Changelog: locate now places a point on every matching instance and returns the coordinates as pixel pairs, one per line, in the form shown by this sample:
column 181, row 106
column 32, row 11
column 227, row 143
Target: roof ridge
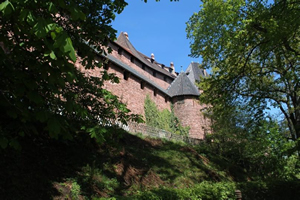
column 182, row 85
column 138, row 55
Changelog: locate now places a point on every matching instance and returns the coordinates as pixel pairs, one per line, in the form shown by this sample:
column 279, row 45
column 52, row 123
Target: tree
column 253, row 50
column 41, row 90
column 259, row 147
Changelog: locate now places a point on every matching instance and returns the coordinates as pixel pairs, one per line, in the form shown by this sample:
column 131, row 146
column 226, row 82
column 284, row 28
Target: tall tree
column 41, row 90
column 253, row 49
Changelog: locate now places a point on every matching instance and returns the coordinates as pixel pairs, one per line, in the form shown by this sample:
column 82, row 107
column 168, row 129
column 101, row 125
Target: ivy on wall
column 164, row 119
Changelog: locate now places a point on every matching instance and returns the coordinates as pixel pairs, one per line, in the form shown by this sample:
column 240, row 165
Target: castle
column 141, row 75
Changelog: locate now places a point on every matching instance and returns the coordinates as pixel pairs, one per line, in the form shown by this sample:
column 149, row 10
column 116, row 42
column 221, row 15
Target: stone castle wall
column 132, row 90
column 188, row 110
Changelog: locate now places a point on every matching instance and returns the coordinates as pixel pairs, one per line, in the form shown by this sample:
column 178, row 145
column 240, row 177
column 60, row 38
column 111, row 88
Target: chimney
column 152, row 58
column 172, row 68
column 126, row 35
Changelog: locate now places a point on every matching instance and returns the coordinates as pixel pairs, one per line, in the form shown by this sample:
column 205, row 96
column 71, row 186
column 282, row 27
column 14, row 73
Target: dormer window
column 152, row 58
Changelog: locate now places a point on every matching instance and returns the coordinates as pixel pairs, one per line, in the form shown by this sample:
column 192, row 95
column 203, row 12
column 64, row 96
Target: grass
column 124, row 167
column 55, row 169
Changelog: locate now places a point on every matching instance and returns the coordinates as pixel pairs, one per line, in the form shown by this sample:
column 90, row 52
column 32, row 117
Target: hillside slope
column 126, row 166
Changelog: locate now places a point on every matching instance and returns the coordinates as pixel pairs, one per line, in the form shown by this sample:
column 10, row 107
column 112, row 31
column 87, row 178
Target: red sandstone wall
column 130, row 92
column 188, row 112
column 137, row 65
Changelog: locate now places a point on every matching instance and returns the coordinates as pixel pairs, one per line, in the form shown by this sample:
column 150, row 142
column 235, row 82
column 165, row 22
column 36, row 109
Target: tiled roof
column 137, row 74
column 126, row 44
column 195, row 72
column 182, row 85
column 130, row 69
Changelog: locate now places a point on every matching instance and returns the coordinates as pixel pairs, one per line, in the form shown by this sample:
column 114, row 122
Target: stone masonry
column 142, row 75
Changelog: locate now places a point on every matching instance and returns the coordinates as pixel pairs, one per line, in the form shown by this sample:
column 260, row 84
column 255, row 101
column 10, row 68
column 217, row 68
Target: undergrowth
column 127, row 167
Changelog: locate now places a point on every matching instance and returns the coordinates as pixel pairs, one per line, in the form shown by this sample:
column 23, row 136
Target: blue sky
column 159, row 28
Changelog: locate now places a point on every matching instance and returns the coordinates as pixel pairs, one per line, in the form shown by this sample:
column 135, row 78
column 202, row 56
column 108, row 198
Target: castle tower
column 185, row 98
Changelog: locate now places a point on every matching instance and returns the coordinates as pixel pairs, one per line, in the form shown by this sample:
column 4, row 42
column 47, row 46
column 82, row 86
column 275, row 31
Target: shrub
column 203, row 191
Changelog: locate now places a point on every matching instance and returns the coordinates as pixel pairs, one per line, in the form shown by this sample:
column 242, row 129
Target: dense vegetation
column 41, row 90
column 164, row 119
column 132, row 167
column 252, row 48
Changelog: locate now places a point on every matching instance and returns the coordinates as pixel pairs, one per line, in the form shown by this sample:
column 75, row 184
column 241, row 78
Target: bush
column 203, row 191
column 164, row 119
column 271, row 190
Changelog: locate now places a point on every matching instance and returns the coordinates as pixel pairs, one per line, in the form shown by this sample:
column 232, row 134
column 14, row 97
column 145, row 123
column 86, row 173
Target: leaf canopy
column 253, row 50
column 41, row 89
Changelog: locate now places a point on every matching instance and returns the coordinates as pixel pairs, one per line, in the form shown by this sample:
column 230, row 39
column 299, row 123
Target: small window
column 132, row 59
column 143, row 67
column 165, row 79
column 154, row 73
column 142, row 85
column 155, row 92
column 180, row 99
column 120, row 51
column 166, row 99
column 105, row 66
column 126, row 75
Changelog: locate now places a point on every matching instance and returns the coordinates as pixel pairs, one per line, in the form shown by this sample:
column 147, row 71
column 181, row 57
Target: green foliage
column 164, row 119
column 41, row 90
column 259, row 147
column 205, row 191
column 75, row 190
column 252, row 48
column 94, row 176
column 270, row 190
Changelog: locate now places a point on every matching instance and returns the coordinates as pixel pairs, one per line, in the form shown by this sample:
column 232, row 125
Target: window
column 132, row 59
column 143, row 67
column 120, row 51
column 166, row 98
column 155, row 92
column 154, row 73
column 142, row 85
column 126, row 75
column 180, row 99
column 105, row 66
column 165, row 79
